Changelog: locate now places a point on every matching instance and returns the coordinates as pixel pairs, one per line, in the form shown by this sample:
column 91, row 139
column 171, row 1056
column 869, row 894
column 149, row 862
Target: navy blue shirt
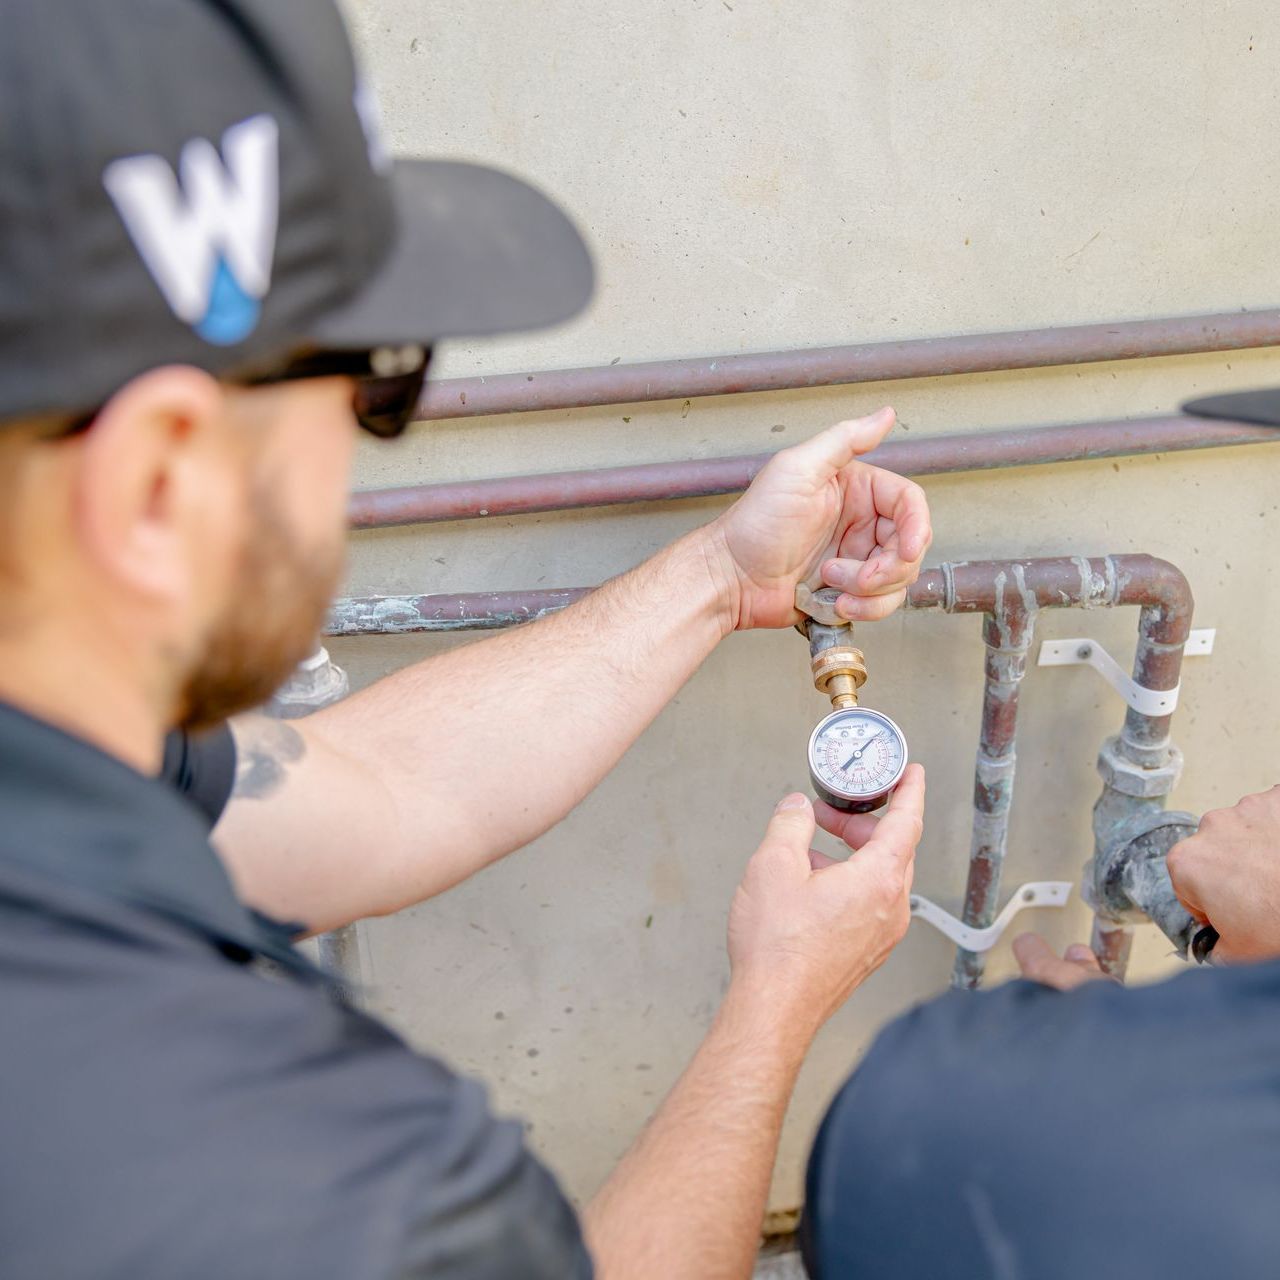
column 1030, row 1134
column 183, row 1095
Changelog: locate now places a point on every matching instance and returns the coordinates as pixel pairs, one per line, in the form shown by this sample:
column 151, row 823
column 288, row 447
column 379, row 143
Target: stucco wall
column 753, row 175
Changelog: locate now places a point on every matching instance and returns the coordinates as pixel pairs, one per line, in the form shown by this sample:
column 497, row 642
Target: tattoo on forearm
column 265, row 750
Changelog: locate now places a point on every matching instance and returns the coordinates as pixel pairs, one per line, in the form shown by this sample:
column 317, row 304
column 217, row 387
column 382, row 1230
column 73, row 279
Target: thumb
column 831, row 450
column 790, row 830
column 899, row 829
column 1037, row 960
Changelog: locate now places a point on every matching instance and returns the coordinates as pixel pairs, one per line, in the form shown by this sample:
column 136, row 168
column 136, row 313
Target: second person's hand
column 1228, row 875
column 1041, row 963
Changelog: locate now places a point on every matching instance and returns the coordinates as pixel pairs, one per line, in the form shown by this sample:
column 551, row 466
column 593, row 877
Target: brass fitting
column 840, row 672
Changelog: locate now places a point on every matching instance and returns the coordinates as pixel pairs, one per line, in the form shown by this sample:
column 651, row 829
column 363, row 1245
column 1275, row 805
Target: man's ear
column 148, row 465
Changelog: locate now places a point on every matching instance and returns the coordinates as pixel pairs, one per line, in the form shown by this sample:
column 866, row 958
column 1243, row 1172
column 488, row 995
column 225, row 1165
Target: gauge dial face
column 856, row 757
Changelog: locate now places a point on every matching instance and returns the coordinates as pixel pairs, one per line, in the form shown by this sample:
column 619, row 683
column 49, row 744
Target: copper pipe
column 976, row 586
column 1158, row 586
column 1010, row 593
column 1064, row 582
column 470, row 611
column 700, row 478
column 1008, row 635
column 1112, row 944
column 837, row 366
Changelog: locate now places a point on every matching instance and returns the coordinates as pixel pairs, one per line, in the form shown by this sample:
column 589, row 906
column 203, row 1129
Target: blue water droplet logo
column 232, row 314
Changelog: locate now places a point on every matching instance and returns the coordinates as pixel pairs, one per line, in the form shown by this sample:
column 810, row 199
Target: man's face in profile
column 298, row 439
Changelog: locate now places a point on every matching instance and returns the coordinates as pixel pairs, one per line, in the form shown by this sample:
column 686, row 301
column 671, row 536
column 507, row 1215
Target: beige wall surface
column 755, row 175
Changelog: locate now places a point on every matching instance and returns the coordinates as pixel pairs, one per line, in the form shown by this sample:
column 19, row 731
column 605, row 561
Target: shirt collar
column 75, row 814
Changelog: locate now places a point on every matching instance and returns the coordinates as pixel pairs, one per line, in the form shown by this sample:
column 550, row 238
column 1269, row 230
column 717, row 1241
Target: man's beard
column 272, row 623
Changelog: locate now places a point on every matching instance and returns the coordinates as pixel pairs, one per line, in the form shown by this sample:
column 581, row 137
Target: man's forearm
column 420, row 780
column 428, row 775
column 688, row 1199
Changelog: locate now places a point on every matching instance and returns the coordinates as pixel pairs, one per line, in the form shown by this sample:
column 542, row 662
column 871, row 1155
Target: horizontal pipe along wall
column 1011, row 594
column 844, row 365
column 791, row 370
column 709, row 477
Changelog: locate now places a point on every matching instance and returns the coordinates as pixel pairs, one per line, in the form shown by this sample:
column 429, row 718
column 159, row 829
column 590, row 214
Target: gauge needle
column 857, row 755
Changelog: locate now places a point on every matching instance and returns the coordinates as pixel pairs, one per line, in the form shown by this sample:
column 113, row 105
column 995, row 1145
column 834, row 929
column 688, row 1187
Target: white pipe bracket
column 1147, row 702
column 1039, row 893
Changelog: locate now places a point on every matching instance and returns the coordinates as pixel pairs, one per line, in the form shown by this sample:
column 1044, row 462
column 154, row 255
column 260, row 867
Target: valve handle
column 1203, row 943
column 820, row 605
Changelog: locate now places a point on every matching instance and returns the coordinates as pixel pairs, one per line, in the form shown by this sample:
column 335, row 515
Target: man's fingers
column 869, row 608
column 882, row 571
column 879, row 502
column 883, row 554
column 855, row 829
column 882, row 574
column 910, row 513
column 819, row 861
column 831, row 450
column 1180, row 864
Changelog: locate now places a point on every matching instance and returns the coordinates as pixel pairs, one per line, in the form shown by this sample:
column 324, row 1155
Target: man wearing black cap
column 208, row 267
column 1065, row 1126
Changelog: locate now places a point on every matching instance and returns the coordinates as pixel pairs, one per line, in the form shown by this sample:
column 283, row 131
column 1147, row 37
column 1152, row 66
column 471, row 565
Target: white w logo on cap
column 209, row 242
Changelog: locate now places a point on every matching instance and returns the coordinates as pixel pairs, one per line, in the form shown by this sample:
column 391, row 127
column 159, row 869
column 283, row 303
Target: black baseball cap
column 1260, row 407
column 203, row 182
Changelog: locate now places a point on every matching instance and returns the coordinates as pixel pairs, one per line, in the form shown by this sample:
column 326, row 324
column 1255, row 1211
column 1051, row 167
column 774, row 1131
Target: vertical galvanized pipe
column 1008, row 634
column 1111, row 942
column 1157, row 664
column 1144, row 765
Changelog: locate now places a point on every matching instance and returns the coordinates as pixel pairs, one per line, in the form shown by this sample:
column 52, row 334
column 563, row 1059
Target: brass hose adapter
column 839, row 669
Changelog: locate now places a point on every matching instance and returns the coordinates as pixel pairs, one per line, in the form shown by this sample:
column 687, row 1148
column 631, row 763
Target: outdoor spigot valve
column 1128, row 880
column 839, row 669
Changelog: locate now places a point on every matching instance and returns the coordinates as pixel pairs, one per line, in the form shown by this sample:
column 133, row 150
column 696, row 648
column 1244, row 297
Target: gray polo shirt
column 183, row 1095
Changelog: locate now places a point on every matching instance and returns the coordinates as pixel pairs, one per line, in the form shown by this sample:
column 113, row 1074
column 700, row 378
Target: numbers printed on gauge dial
column 856, row 757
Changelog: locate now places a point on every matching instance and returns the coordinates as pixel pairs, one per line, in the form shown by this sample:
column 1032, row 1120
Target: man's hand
column 687, row 1200
column 1228, row 875
column 816, row 511
column 1041, row 963
column 805, row 930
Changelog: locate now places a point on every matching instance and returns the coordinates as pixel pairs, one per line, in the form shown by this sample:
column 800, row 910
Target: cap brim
column 1261, row 407
column 477, row 252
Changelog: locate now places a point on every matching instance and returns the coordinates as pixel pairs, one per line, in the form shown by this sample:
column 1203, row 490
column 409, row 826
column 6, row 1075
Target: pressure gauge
column 856, row 758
